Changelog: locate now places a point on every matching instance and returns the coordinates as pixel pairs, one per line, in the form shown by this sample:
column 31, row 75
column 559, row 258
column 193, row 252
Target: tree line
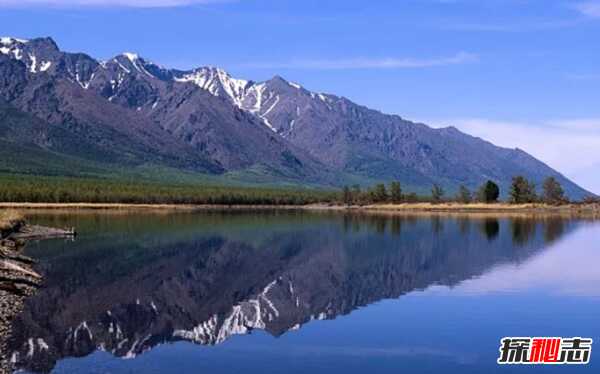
column 94, row 190
column 91, row 190
column 521, row 191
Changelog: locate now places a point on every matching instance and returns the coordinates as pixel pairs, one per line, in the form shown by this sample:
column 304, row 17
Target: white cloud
column 589, row 8
column 369, row 63
column 104, row 3
column 569, row 146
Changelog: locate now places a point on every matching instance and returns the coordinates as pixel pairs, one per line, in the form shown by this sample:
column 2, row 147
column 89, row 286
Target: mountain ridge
column 235, row 125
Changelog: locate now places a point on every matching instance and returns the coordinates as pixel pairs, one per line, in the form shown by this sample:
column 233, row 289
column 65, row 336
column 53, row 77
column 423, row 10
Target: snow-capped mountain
column 131, row 112
column 259, row 98
column 206, row 120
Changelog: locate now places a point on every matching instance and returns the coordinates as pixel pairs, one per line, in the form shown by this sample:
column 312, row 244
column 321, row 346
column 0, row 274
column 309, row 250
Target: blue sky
column 521, row 73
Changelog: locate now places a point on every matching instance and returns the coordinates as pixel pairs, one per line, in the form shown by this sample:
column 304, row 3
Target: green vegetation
column 553, row 192
column 22, row 188
column 380, row 193
column 133, row 190
column 396, row 192
column 437, row 193
column 464, row 195
column 377, row 194
column 522, row 191
column 489, row 192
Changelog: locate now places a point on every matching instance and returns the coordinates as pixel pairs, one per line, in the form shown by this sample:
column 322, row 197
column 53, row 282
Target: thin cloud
column 368, row 63
column 589, row 8
column 105, row 3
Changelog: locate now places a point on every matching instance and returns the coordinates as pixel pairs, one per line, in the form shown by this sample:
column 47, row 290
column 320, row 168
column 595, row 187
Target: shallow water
column 299, row 292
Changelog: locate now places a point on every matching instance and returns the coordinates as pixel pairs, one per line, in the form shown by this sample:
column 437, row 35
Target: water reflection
column 490, row 227
column 132, row 282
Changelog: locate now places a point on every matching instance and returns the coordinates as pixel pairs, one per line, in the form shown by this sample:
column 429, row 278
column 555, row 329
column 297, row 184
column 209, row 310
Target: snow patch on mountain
column 218, row 82
column 133, row 57
column 12, row 46
column 33, row 65
column 6, row 40
column 138, row 63
column 45, row 65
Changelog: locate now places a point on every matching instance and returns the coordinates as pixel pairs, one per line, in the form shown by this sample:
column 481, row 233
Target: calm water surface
column 291, row 292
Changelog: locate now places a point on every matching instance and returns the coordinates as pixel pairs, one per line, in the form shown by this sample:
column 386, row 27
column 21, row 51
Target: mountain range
column 70, row 114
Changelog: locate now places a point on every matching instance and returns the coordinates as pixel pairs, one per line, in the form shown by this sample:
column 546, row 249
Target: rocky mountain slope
column 130, row 111
column 372, row 144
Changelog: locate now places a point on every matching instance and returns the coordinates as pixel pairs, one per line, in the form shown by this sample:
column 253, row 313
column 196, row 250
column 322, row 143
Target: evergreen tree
column 491, row 192
column 437, row 193
column 464, row 195
column 553, row 191
column 357, row 194
column 380, row 193
column 522, row 191
column 347, row 195
column 396, row 192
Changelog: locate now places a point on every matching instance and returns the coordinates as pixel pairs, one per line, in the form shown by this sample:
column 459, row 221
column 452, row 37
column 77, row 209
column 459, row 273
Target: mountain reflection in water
column 131, row 282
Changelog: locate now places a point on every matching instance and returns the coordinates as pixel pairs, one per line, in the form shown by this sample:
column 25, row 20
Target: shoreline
column 18, row 278
column 535, row 208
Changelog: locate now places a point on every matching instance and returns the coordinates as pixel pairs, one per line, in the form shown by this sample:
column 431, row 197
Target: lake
column 304, row 292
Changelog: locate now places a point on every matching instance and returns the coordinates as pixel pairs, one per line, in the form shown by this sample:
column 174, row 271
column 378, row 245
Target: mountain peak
column 37, row 54
column 8, row 40
column 132, row 62
column 131, row 56
column 278, row 78
column 43, row 43
column 217, row 81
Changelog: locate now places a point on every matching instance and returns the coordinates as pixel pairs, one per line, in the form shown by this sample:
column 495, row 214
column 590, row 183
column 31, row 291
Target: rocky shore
column 18, row 279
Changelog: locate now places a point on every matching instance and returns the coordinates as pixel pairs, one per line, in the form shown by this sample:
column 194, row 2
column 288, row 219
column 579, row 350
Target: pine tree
column 437, row 193
column 357, row 194
column 553, row 191
column 347, row 195
column 380, row 194
column 491, row 192
column 464, row 195
column 396, row 192
column 522, row 191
